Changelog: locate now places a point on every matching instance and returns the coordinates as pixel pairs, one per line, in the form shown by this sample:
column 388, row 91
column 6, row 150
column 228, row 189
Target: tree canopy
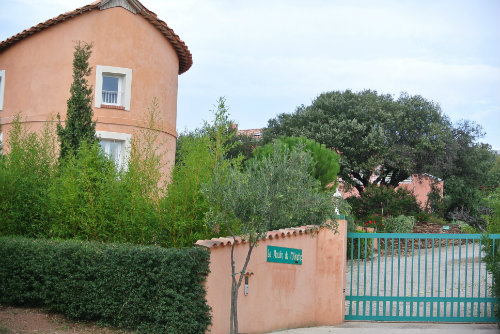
column 375, row 134
column 325, row 165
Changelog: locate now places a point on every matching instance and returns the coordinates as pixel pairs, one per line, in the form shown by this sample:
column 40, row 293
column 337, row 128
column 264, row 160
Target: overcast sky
column 268, row 57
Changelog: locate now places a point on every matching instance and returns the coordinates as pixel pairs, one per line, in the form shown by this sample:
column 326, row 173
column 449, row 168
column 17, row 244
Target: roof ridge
column 183, row 53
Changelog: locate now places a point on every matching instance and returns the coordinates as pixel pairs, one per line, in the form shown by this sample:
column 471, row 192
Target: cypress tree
column 79, row 125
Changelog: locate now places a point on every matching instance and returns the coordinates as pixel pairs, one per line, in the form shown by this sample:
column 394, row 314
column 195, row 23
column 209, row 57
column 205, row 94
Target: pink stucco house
column 135, row 57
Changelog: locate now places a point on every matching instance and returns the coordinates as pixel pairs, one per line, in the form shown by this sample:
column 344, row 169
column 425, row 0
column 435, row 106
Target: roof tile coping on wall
column 185, row 57
column 281, row 233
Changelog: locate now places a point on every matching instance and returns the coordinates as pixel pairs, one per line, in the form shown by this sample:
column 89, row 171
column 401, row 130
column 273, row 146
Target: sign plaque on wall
column 284, row 255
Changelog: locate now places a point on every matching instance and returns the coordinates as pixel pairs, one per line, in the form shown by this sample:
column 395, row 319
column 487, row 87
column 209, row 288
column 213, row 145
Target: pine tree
column 79, row 125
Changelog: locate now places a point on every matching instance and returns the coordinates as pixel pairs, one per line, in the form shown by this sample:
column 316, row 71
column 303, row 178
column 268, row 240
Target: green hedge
column 142, row 288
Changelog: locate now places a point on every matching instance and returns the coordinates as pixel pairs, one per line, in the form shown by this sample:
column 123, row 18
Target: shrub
column 325, row 161
column 467, row 229
column 400, row 224
column 144, row 288
column 384, row 201
column 27, row 170
column 357, row 245
column 377, row 222
column 436, row 220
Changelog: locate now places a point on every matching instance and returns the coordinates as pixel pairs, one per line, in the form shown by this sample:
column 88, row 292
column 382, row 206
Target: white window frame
column 2, row 87
column 124, row 85
column 126, row 138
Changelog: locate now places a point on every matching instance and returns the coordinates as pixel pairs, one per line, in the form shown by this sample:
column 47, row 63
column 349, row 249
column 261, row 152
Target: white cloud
column 270, row 56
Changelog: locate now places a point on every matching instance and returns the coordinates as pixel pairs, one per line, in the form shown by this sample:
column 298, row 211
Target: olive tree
column 273, row 192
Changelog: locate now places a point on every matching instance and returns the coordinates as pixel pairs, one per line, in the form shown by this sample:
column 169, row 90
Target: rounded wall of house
column 38, row 72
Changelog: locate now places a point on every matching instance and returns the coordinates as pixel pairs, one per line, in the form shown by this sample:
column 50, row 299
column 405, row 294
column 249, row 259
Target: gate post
column 330, row 280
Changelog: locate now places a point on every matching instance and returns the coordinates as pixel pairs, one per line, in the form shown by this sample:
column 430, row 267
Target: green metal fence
column 418, row 277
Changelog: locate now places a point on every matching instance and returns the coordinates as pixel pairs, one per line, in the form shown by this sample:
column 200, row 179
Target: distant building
column 419, row 184
column 254, row 133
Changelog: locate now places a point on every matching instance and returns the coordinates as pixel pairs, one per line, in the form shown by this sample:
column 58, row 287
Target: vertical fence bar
column 472, row 284
column 357, row 283
column 411, row 283
column 479, row 304
column 352, row 269
column 425, row 278
column 439, row 279
column 385, row 278
column 371, row 276
column 378, row 277
column 492, row 305
column 459, row 306
column 418, row 279
column 392, row 272
column 446, row 274
column 399, row 272
column 466, row 270
column 432, row 279
column 452, row 274
column 486, row 285
column 364, row 278
column 404, row 285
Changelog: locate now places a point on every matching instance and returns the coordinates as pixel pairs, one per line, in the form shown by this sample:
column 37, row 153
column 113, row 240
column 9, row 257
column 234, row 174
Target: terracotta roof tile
column 185, row 57
column 281, row 233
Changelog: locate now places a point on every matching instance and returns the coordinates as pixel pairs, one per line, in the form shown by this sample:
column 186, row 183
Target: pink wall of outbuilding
column 281, row 295
column 420, row 186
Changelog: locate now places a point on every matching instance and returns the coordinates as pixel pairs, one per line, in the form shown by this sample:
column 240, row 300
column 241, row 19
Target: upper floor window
column 113, row 87
column 2, row 87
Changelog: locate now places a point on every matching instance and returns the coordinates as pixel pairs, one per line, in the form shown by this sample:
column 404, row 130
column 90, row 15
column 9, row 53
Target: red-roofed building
column 135, row 57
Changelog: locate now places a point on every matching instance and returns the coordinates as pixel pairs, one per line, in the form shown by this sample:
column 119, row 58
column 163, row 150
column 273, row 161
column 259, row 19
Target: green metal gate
column 418, row 277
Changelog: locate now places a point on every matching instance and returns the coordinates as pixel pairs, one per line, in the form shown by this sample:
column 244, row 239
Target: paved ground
column 453, row 271
column 361, row 327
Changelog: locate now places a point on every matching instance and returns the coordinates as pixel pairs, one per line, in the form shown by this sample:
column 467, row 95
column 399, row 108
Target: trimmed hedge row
column 142, row 288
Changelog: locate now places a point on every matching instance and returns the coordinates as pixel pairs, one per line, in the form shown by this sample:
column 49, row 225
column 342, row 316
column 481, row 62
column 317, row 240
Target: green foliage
column 79, row 125
column 473, row 172
column 435, row 203
column 492, row 259
column 467, row 229
column 200, row 154
column 376, row 134
column 85, row 196
column 491, row 249
column 437, row 220
column 82, row 199
column 274, row 192
column 27, row 171
column 399, row 224
column 145, row 289
column 243, row 147
column 384, row 201
column 493, row 201
column 359, row 248
column 377, row 220
column 325, row 161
